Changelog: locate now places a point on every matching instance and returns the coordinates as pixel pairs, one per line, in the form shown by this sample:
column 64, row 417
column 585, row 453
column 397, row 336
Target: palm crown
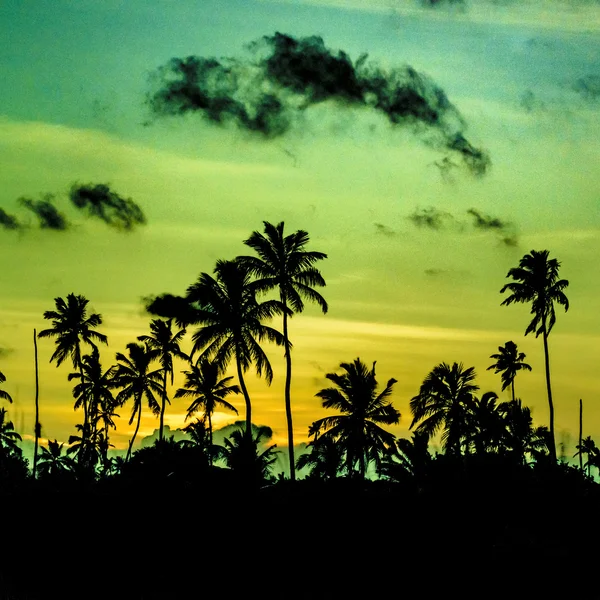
column 4, row 395
column 509, row 361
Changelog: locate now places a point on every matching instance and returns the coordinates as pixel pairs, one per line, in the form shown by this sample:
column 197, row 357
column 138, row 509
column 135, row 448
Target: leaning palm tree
column 443, row 403
column 536, row 281
column 284, row 264
column 3, row 394
column 167, row 343
column 231, row 323
column 132, row 373
column 357, row 429
column 72, row 327
column 207, row 391
column 509, row 361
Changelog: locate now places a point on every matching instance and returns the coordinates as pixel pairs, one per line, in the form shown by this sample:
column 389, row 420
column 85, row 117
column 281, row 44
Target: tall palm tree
column 204, row 386
column 536, row 281
column 443, row 402
column 284, row 264
column 231, row 323
column 132, row 373
column 3, row 394
column 509, row 361
column 8, row 436
column 72, row 327
column 167, row 343
column 362, row 408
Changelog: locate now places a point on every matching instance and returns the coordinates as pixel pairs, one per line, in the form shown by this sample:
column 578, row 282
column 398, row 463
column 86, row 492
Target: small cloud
column 8, row 221
column 431, row 218
column 49, row 217
column 434, row 272
column 531, row 103
column 382, row 229
column 485, row 222
column 588, row 87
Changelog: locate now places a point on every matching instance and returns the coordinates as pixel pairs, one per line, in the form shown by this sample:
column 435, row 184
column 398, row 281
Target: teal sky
column 524, row 76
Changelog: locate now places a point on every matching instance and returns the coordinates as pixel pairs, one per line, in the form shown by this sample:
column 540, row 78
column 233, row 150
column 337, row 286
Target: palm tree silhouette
column 284, row 264
column 71, row 326
column 443, row 402
column 88, row 449
column 325, row 459
column 509, row 361
column 588, row 447
column 167, row 343
column 132, row 373
column 3, row 394
column 485, row 425
column 8, row 436
column 207, row 391
column 231, row 323
column 52, row 462
column 536, row 281
column 407, row 457
column 362, row 408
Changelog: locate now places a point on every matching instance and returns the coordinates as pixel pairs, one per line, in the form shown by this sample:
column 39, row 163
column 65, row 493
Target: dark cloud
column 442, row 3
column 288, row 75
column 169, row 306
column 8, row 221
column 4, row 352
column 100, row 202
column 435, row 272
column 531, row 103
column 382, row 229
column 48, row 215
column 506, row 229
column 588, row 87
column 431, row 218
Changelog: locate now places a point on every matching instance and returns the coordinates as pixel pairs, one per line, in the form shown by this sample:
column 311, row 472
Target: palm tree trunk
column 288, row 400
column 580, row 434
column 210, row 441
column 550, row 403
column 162, row 408
column 134, row 433
column 37, row 427
column 512, row 387
column 246, row 398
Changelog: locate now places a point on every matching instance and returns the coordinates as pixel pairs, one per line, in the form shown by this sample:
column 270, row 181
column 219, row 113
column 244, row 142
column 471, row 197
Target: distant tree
column 3, row 394
column 53, row 463
column 231, row 323
column 357, row 429
column 72, row 327
column 588, row 448
column 536, row 281
column 284, row 264
column 407, row 458
column 207, row 390
column 133, row 375
column 325, row 459
column 8, row 436
column 88, row 450
column 443, row 403
column 509, row 361
column 167, row 343
column 485, row 425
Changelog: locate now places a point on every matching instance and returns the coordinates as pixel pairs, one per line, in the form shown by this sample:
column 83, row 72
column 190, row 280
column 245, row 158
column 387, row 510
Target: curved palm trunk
column 37, row 406
column 288, row 400
column 162, row 408
column 248, row 432
column 512, row 388
column 134, row 433
column 550, row 403
column 210, row 441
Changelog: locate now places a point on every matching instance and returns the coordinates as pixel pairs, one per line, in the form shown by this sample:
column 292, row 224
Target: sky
column 421, row 215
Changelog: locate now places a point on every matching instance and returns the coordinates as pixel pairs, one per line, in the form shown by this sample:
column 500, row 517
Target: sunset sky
column 407, row 292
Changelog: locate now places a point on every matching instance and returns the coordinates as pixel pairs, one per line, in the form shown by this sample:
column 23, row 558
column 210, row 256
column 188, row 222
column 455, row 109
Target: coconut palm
column 407, row 458
column 133, row 375
column 588, row 447
column 231, row 323
column 509, row 361
column 8, row 436
column 325, row 459
column 285, row 265
column 52, row 462
column 363, row 409
column 536, row 281
column 207, row 390
column 485, row 425
column 167, row 343
column 72, row 327
column 443, row 402
column 3, row 394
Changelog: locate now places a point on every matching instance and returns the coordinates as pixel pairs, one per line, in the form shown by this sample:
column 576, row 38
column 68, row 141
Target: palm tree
column 231, row 323
column 443, row 402
column 325, row 459
column 589, row 448
column 509, row 362
column 8, row 436
column 284, row 264
column 53, row 462
column 71, row 326
column 362, row 408
column 3, row 394
column 536, row 281
column 243, row 455
column 207, row 391
column 167, row 344
column 485, row 425
column 407, row 457
column 132, row 373
column 88, row 449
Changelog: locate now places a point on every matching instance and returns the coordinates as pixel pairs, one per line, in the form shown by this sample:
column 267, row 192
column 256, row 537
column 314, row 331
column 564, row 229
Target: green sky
column 525, row 79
